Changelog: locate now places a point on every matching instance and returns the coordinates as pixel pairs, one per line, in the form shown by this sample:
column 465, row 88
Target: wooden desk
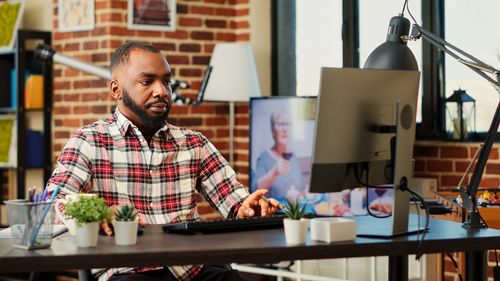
column 156, row 248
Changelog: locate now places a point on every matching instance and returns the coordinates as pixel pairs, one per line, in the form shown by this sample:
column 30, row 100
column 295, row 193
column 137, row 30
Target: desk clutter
column 31, row 223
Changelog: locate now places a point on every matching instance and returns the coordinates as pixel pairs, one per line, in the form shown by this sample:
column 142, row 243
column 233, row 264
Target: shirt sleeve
column 218, row 183
column 73, row 171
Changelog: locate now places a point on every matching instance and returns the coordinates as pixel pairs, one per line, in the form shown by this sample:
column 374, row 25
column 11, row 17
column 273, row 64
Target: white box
column 333, row 229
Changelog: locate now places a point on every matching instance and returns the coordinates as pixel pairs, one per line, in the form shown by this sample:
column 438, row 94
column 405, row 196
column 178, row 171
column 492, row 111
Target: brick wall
column 448, row 161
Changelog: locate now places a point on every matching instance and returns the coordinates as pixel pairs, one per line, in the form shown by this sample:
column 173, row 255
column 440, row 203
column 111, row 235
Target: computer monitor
column 364, row 136
column 293, row 126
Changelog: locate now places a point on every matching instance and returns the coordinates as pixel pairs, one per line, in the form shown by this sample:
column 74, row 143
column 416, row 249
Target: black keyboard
column 227, row 225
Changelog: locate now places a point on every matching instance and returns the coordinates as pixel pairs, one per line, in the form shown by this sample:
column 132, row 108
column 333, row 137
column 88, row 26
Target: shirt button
column 151, row 204
column 151, row 172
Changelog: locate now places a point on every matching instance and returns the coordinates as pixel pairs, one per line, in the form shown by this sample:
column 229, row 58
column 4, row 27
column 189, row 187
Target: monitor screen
column 282, row 130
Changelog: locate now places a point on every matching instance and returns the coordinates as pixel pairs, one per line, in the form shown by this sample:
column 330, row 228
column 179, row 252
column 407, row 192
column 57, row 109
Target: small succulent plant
column 294, row 210
column 125, row 213
column 87, row 209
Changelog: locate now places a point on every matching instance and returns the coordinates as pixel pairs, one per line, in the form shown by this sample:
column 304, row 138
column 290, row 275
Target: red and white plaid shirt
column 112, row 158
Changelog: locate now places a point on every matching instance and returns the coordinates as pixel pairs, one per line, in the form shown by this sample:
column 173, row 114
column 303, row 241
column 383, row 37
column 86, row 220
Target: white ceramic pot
column 125, row 232
column 295, row 231
column 86, row 234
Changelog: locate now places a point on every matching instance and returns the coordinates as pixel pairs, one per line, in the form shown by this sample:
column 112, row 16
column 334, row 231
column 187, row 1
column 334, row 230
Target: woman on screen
column 278, row 168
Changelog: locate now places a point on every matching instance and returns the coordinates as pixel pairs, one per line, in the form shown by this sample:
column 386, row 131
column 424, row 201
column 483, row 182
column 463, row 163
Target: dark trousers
column 209, row 273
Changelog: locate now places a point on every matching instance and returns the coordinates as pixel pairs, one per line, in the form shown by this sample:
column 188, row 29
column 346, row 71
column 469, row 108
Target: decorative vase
column 86, row 234
column 295, row 231
column 125, row 232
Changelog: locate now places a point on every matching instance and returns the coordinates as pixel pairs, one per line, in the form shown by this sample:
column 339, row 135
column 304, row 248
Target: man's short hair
column 122, row 54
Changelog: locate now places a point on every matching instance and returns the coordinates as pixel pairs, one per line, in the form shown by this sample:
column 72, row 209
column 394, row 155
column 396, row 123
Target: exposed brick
column 190, row 48
column 61, row 110
column 225, row 12
column 461, row 166
column 61, row 135
column 70, row 123
column 222, row 109
column 454, row 152
column 100, row 109
column 439, row 166
column 490, row 182
column 241, row 133
column 425, row 151
column 176, row 60
column 90, row 45
column 243, row 37
column 188, row 72
column 177, row 109
column 69, row 72
column 211, row 121
column 182, row 9
column 81, row 84
column 215, row 23
column 222, row 133
column 493, row 168
column 202, row 10
column 84, row 109
column 71, row 97
column 61, row 85
column 191, row 22
column 242, row 12
column 202, row 35
column 99, row 57
column 225, row 37
column 164, row 46
column 203, row 108
column 419, row 165
column 221, row 145
column 215, row 1
column 238, row 25
column 112, row 17
column 450, row 180
column 187, row 122
column 71, row 47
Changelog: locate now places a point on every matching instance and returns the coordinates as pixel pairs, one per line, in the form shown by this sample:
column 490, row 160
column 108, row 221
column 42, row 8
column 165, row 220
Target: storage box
column 333, row 229
column 31, row 223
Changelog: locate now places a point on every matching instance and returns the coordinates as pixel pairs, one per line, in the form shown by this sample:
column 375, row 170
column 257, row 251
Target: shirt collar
column 124, row 124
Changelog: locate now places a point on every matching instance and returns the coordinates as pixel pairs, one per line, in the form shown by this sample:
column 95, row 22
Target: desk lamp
column 233, row 78
column 394, row 54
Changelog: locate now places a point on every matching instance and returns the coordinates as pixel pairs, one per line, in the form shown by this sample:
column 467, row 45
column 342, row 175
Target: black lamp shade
column 394, row 53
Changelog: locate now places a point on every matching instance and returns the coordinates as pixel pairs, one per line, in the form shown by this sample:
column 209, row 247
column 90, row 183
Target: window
column 318, row 41
column 477, row 34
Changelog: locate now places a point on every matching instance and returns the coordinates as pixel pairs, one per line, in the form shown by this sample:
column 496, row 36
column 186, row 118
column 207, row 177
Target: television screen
column 281, row 146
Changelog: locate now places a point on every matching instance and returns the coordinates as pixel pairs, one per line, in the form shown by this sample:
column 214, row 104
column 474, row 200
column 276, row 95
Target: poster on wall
column 8, row 144
column 11, row 13
column 158, row 15
column 76, row 15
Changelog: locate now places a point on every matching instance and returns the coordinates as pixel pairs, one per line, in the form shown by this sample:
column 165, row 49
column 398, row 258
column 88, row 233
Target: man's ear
column 115, row 90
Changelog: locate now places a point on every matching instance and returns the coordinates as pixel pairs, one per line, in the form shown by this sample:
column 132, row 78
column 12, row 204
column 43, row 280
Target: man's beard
column 152, row 121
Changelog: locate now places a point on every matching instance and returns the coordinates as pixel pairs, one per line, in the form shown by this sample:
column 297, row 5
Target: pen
column 44, row 194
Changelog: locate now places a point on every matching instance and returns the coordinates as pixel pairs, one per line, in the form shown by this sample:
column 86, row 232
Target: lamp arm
column 469, row 195
column 471, row 62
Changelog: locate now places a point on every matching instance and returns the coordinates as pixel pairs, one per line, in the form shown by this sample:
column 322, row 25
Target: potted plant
column 88, row 212
column 125, row 225
column 295, row 225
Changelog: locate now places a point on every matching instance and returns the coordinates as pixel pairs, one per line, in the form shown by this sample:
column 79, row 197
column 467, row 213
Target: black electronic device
column 226, row 225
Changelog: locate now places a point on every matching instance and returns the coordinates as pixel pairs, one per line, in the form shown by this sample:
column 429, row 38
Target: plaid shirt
column 112, row 158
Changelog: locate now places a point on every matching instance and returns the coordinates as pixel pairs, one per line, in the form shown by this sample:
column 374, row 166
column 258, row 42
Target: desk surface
column 156, row 248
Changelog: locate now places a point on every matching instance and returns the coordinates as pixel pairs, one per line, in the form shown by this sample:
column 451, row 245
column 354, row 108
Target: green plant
column 294, row 210
column 125, row 213
column 87, row 209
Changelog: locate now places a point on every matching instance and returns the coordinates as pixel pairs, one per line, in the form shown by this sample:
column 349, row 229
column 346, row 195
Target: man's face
column 142, row 88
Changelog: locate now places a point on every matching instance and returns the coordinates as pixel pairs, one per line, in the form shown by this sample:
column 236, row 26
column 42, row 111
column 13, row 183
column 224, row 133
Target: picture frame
column 76, row 15
column 8, row 141
column 152, row 15
column 11, row 13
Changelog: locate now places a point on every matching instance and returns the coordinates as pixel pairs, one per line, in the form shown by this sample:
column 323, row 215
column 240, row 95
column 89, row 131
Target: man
column 135, row 156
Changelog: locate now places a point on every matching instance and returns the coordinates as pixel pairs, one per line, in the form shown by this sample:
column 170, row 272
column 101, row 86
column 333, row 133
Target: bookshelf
column 32, row 125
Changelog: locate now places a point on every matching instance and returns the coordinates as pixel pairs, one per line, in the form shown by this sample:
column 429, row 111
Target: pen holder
column 31, row 223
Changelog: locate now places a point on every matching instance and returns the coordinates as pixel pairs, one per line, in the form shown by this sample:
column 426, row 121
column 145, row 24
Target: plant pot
column 295, row 231
column 125, row 232
column 86, row 234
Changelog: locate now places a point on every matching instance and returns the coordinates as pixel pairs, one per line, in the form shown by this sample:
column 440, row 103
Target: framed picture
column 11, row 13
column 8, row 142
column 76, row 15
column 159, row 15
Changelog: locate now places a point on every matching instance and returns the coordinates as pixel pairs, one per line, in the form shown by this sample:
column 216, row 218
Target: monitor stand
column 371, row 227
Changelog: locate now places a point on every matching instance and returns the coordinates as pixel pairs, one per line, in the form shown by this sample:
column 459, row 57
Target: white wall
column 38, row 15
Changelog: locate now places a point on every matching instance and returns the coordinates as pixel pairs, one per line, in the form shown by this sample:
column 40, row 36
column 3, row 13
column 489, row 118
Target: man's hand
column 106, row 225
column 257, row 204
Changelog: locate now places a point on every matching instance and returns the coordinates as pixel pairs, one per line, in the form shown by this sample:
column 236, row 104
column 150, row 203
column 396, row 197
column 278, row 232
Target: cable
column 405, row 4
column 427, row 216
column 456, row 266
column 408, row 9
